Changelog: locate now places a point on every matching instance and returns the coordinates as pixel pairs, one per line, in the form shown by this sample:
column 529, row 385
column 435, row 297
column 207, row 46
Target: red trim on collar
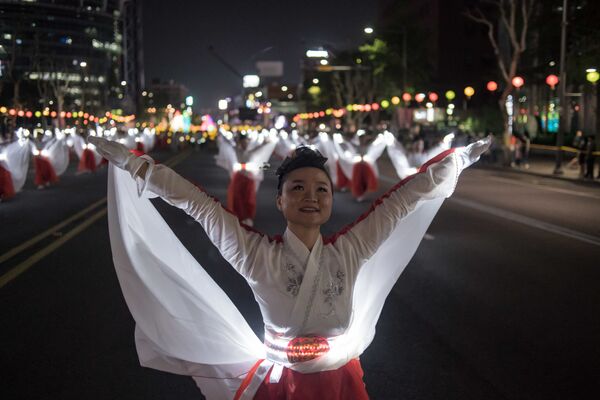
column 379, row 201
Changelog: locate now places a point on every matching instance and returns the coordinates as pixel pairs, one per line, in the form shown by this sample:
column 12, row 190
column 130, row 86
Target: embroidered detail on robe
column 334, row 289
column 294, row 280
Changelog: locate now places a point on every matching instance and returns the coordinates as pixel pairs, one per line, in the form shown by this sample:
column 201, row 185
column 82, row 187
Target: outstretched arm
column 237, row 244
column 437, row 179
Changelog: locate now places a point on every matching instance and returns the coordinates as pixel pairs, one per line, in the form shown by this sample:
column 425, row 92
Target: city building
column 71, row 55
column 160, row 94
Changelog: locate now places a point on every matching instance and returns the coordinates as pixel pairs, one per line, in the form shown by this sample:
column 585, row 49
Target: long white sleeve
column 364, row 238
column 237, row 244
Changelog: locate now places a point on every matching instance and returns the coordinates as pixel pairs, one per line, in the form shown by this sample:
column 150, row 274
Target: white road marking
column 531, row 222
column 543, row 187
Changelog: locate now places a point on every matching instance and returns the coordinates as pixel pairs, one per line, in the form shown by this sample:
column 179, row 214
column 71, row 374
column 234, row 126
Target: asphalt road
column 501, row 301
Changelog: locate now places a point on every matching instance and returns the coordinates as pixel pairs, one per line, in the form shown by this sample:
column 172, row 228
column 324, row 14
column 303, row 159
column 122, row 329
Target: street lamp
column 368, row 30
column 319, row 53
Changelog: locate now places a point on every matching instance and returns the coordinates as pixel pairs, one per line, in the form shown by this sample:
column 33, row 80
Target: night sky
column 177, row 35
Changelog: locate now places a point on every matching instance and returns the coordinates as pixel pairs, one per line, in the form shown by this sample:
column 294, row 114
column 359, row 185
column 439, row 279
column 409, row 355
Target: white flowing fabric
column 226, row 157
column 15, row 158
column 79, row 145
column 324, row 144
column 148, row 138
column 397, row 154
column 258, row 153
column 187, row 325
column 346, row 153
column 57, row 152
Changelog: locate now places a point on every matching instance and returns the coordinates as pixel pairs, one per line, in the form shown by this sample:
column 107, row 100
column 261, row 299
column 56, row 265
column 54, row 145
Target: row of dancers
column 51, row 152
column 352, row 163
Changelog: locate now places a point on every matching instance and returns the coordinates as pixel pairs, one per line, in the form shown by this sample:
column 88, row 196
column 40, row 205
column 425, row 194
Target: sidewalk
column 543, row 165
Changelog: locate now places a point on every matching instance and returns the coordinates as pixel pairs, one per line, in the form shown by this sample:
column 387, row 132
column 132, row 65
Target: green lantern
column 450, row 95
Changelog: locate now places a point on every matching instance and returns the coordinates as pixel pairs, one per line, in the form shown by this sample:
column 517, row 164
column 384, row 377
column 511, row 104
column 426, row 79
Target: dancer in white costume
column 244, row 160
column 320, row 298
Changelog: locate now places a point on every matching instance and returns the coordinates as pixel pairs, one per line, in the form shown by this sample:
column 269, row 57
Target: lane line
column 531, row 222
column 28, row 263
column 25, row 265
column 543, row 187
column 25, row 245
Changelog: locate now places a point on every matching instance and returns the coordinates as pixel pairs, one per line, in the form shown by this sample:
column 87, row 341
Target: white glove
column 470, row 154
column 117, row 154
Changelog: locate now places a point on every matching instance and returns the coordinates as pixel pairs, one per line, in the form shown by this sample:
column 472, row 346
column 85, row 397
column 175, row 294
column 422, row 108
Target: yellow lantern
column 469, row 91
column 395, row 100
column 592, row 76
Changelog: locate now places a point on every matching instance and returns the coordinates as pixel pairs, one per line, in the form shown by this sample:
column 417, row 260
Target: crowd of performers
column 51, row 151
column 352, row 162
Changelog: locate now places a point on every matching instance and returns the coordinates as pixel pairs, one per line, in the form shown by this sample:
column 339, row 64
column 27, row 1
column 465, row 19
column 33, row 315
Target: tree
column 512, row 18
column 59, row 83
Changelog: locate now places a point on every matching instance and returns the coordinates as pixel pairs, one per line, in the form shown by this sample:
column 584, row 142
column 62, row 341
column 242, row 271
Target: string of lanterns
column 67, row 114
column 492, row 86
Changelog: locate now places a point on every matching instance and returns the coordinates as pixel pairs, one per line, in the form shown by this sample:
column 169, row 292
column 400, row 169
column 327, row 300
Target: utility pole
column 564, row 111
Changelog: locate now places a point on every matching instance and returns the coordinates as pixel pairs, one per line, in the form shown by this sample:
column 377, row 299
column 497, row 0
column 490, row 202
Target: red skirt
column 363, row 179
column 7, row 189
column 241, row 196
column 342, row 179
column 44, row 171
column 87, row 161
column 344, row 383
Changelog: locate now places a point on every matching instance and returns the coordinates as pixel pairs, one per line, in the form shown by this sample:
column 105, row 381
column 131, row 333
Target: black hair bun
column 303, row 156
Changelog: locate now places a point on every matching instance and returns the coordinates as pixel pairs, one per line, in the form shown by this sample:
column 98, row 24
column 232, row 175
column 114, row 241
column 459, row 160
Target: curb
column 594, row 184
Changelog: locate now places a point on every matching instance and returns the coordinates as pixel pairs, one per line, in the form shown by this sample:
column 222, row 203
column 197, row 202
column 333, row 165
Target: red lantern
column 367, row 107
column 375, row 106
column 53, row 114
column 492, row 86
column 406, row 97
column 433, row 96
column 29, row 114
column 517, row 81
column 68, row 115
column 419, row 97
column 12, row 111
column 21, row 113
column 321, row 113
column 552, row 80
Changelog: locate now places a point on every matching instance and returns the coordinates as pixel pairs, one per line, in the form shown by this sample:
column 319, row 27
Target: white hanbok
column 15, row 158
column 185, row 324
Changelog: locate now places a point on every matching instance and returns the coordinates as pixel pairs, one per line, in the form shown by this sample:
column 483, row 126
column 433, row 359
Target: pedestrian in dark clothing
column 589, row 157
column 581, row 150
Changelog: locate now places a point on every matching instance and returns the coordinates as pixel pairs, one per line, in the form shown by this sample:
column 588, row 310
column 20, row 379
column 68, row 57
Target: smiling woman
column 305, row 194
column 320, row 298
